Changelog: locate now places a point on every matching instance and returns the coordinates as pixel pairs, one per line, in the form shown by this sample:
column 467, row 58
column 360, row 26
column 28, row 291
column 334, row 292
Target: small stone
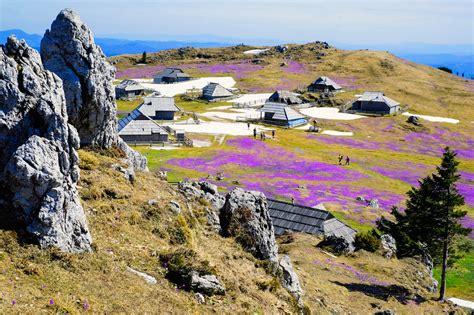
column 152, row 202
column 374, row 203
column 199, row 298
column 149, row 279
column 361, row 198
column 389, row 246
column 175, row 207
column 206, row 284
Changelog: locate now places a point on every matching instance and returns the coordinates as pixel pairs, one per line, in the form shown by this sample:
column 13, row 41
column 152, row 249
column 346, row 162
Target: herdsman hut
column 324, row 85
column 375, row 103
column 285, row 97
column 171, row 75
column 128, row 89
column 281, row 114
column 215, row 91
column 139, row 128
column 159, row 107
column 297, row 218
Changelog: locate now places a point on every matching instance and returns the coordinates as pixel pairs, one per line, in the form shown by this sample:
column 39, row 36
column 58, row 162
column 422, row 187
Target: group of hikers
column 262, row 134
column 340, row 157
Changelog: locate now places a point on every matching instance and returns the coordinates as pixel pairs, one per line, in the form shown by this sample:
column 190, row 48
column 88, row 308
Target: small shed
column 297, row 218
column 375, row 103
column 171, row 75
column 324, row 85
column 281, row 114
column 214, row 91
column 159, row 107
column 139, row 128
column 128, row 89
column 286, row 97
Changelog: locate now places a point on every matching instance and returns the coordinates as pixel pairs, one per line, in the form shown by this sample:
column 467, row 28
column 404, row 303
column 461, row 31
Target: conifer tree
column 432, row 215
column 144, row 57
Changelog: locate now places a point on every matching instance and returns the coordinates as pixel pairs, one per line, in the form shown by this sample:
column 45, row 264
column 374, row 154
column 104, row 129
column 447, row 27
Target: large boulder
column 245, row 216
column 389, row 246
column 68, row 50
column 206, row 284
column 202, row 190
column 38, row 159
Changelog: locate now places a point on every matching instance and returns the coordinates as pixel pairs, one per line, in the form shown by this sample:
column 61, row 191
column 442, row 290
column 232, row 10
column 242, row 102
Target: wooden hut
column 297, row 218
column 171, row 75
column 281, row 114
column 286, row 97
column 215, row 91
column 159, row 107
column 375, row 103
column 324, row 85
column 128, row 89
column 140, row 128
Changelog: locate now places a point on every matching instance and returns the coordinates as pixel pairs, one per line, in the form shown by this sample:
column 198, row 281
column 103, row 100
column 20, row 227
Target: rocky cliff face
column 38, row 159
column 68, row 50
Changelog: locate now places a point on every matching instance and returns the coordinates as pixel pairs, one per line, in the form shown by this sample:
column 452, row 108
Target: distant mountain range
column 455, row 57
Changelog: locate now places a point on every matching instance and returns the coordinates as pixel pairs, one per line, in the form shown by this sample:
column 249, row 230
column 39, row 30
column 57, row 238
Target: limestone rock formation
column 203, row 190
column 68, row 50
column 38, row 159
column 290, row 279
column 389, row 246
column 206, row 284
column 245, row 216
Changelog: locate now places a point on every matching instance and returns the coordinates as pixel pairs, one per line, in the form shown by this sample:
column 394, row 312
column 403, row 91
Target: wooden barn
column 159, row 107
column 324, row 85
column 281, row 114
column 129, row 89
column 375, row 103
column 171, row 75
column 215, row 91
column 297, row 218
column 286, row 97
column 138, row 128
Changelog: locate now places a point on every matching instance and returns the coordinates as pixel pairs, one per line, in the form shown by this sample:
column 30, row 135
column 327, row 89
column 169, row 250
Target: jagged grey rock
column 206, row 284
column 290, row 279
column 175, row 207
column 203, row 190
column 69, row 51
column 128, row 172
column 389, row 246
column 374, row 203
column 148, row 279
column 38, row 159
column 337, row 245
column 199, row 298
column 245, row 215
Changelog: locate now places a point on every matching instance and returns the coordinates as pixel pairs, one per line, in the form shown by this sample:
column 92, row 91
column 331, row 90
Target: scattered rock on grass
column 200, row 298
column 290, row 279
column 175, row 207
column 149, row 279
column 389, row 246
column 206, row 284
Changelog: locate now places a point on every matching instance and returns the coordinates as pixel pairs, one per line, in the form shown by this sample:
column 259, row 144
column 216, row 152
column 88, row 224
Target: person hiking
column 273, row 134
column 255, row 133
column 340, row 157
column 348, row 161
column 261, row 136
column 248, row 125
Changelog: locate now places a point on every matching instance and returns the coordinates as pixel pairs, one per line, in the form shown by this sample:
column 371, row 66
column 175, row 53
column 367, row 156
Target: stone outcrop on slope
column 245, row 216
column 68, row 50
column 38, row 159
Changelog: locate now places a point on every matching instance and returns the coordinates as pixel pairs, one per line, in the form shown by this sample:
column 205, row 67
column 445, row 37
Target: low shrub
column 271, row 285
column 369, row 241
column 87, row 160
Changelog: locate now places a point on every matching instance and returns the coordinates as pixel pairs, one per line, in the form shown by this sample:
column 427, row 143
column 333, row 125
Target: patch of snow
column 255, row 51
column 149, row 279
column 249, row 113
column 433, row 118
column 338, row 133
column 164, row 148
column 221, row 107
column 463, row 303
column 181, row 87
column 328, row 113
column 251, row 99
column 214, row 127
column 201, row 143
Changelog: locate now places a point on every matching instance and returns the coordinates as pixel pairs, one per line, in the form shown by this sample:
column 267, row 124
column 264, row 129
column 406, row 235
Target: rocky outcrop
column 206, row 284
column 38, row 159
column 337, row 245
column 69, row 51
column 289, row 279
column 389, row 246
column 245, row 216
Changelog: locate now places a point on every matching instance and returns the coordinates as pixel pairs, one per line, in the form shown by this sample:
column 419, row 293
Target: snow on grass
column 463, row 303
column 433, row 118
column 247, row 113
column 214, row 127
column 338, row 133
column 255, row 51
column 328, row 113
column 251, row 99
column 221, row 107
column 181, row 87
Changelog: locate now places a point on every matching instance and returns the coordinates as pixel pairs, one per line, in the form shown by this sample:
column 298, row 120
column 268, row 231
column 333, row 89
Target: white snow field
column 214, row 127
column 255, row 51
column 338, row 133
column 328, row 113
column 181, row 87
column 251, row 99
column 433, row 118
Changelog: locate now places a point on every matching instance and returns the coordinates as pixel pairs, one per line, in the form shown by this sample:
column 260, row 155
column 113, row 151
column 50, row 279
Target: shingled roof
column 285, row 97
column 156, row 103
column 281, row 111
column 215, row 90
column 297, row 218
column 137, row 123
column 327, row 82
column 377, row 97
column 130, row 85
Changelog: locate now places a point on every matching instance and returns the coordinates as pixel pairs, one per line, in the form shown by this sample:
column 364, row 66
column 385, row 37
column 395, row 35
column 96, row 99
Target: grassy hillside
column 130, row 231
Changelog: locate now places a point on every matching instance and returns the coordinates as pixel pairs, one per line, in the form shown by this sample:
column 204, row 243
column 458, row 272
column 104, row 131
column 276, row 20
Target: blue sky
column 336, row 21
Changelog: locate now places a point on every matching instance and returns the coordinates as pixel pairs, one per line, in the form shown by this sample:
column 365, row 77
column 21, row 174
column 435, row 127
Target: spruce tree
column 144, row 57
column 432, row 215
